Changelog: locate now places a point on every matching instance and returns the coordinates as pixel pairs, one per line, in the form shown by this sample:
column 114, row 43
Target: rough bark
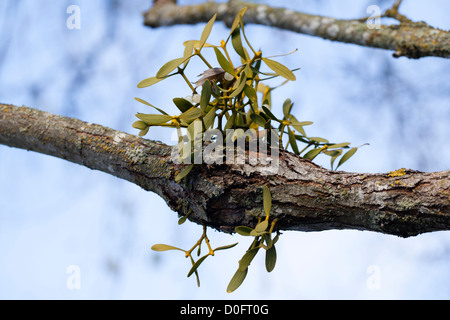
column 410, row 39
column 306, row 197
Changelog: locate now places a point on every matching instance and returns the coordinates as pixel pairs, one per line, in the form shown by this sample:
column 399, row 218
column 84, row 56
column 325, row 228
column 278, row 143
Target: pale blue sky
column 54, row 214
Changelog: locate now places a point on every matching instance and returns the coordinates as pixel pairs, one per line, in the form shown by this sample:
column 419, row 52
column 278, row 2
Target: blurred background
column 56, row 217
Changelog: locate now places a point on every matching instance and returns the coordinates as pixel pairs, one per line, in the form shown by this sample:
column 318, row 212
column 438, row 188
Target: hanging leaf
column 207, row 30
column 247, row 258
column 267, row 201
column 149, row 82
column 225, row 247
column 196, row 265
column 154, row 119
column 184, row 172
column 271, row 258
column 168, row 67
column 150, row 105
column 164, row 247
column 279, row 69
column 346, row 156
column 237, row 279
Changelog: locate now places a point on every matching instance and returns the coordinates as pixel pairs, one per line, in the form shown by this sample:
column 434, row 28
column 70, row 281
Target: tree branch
column 413, row 40
column 306, row 197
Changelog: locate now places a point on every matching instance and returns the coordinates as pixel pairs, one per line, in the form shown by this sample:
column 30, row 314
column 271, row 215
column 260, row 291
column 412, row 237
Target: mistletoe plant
column 234, row 98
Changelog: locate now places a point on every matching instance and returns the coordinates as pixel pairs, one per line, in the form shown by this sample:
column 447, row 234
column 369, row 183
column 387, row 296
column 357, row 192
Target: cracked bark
column 306, row 197
column 410, row 39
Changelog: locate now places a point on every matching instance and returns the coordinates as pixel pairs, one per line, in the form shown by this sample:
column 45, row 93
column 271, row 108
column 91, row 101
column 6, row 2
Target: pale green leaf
column 208, row 120
column 247, row 258
column 154, row 119
column 168, row 67
column 311, row 154
column 164, row 247
column 262, row 226
column 280, row 69
column 191, row 115
column 207, row 30
column 141, row 125
column 287, row 106
column 149, row 82
column 224, row 63
column 239, row 86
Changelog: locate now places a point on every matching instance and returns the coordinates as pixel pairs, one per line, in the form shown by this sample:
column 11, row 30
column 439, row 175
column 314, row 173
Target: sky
column 68, row 232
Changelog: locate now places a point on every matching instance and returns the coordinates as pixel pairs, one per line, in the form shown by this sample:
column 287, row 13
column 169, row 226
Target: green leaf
column 182, row 220
column 184, row 172
column 225, row 247
column 269, row 113
column 149, row 82
column 240, row 85
column 182, row 104
column 267, row 201
column 262, row 226
column 346, row 156
column 150, row 105
column 168, row 67
column 237, row 279
column 141, row 125
column 319, row 140
column 154, row 119
column 224, row 63
column 237, row 44
column 164, row 247
column 197, row 264
column 259, row 120
column 189, row 46
column 292, row 141
column 311, row 154
column 191, row 115
column 287, row 106
column 243, row 230
column 237, row 19
column 271, row 258
column 338, row 145
column 207, row 30
column 206, row 95
column 243, row 32
column 250, row 92
column 247, row 258
column 230, row 122
column 280, row 69
column 208, row 120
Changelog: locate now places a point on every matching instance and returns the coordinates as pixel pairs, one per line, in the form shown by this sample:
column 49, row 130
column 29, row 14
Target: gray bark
column 306, row 197
column 410, row 39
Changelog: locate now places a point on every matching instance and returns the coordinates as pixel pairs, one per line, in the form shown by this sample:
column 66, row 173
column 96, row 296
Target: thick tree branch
column 413, row 40
column 306, row 197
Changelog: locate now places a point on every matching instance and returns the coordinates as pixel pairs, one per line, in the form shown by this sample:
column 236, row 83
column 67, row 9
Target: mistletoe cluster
column 234, row 98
